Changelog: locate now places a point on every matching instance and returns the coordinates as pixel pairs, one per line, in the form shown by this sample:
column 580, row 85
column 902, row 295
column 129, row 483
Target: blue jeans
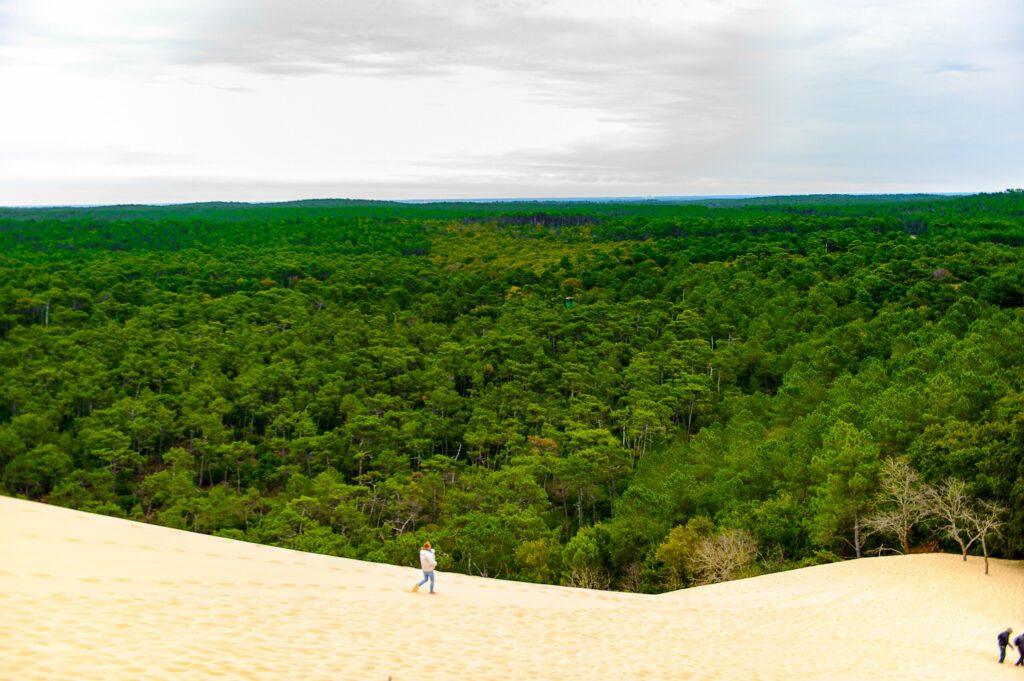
column 428, row 576
column 1002, row 649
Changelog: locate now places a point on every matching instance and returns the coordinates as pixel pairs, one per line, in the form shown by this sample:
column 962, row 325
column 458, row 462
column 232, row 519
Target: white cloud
column 414, row 98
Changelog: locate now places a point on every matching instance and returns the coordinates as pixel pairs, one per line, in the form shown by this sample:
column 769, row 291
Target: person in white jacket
column 427, row 563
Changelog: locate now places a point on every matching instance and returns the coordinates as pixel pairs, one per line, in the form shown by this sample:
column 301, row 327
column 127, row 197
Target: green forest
column 635, row 396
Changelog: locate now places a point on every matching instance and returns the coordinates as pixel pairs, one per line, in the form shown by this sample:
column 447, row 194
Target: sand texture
column 84, row 596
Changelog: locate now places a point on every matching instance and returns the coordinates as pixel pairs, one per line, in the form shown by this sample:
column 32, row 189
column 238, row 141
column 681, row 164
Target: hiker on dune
column 1004, row 640
column 427, row 563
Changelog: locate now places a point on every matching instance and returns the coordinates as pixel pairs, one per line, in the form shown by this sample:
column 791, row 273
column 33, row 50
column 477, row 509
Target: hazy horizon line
column 519, row 199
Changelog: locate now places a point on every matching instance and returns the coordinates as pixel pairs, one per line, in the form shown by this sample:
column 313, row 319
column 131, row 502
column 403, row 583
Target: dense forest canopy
column 627, row 395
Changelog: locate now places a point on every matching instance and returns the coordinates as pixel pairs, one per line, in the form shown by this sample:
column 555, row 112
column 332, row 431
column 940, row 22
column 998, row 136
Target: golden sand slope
column 83, row 596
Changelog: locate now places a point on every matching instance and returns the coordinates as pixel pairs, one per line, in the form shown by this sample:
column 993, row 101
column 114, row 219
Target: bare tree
column 904, row 501
column 986, row 519
column 632, row 578
column 952, row 506
column 720, row 558
column 966, row 520
column 587, row 577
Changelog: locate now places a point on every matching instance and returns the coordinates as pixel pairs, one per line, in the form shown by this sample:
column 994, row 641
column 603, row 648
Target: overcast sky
column 159, row 101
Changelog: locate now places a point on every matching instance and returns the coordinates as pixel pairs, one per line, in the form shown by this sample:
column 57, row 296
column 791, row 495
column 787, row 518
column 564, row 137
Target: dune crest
column 84, row 596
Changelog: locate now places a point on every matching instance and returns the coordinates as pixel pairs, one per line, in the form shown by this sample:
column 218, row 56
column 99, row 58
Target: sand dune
column 83, row 596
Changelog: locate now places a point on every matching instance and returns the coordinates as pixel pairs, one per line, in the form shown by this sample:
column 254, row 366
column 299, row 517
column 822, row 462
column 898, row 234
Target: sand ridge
column 84, row 596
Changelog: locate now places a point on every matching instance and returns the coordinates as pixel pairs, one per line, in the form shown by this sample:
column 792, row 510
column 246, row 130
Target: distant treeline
column 628, row 395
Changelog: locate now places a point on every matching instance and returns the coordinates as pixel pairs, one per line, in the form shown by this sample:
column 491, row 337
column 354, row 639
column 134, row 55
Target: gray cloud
column 748, row 95
column 629, row 63
column 147, row 157
column 17, row 156
column 689, row 91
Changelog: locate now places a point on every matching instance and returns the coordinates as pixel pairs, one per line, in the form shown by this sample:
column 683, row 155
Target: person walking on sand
column 1019, row 642
column 1004, row 640
column 427, row 563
